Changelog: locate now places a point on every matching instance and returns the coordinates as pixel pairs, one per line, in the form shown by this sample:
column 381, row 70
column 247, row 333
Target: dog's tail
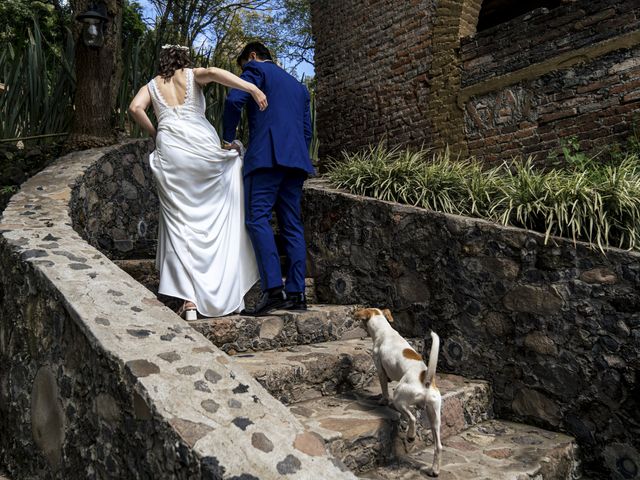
column 433, row 359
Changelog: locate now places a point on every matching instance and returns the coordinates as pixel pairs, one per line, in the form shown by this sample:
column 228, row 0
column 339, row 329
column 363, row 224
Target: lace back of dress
column 158, row 100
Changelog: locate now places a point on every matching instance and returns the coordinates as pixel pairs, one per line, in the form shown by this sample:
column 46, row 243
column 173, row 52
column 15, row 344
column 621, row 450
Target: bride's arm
column 137, row 108
column 228, row 79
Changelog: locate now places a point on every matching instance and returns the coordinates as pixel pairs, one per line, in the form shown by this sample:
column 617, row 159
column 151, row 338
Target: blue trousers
column 276, row 189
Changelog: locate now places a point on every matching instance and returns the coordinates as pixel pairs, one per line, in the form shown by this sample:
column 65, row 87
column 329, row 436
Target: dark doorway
column 495, row 12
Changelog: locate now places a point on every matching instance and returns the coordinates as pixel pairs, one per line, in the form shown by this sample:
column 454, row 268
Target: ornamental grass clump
column 584, row 199
column 423, row 178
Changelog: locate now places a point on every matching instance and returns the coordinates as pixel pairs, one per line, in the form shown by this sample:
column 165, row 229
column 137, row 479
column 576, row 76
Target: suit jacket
column 280, row 135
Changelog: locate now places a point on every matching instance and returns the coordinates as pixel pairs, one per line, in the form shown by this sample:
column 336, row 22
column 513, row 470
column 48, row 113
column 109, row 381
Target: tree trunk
column 98, row 73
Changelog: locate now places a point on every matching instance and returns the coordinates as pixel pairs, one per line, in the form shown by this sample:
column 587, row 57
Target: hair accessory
column 179, row 47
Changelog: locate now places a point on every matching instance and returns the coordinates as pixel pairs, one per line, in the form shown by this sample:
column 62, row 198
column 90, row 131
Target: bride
column 204, row 254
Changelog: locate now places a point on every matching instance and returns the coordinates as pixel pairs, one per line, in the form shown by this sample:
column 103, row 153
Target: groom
column 276, row 165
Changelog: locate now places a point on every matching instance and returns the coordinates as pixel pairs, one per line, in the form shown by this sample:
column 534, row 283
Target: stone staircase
column 319, row 363
column 332, row 387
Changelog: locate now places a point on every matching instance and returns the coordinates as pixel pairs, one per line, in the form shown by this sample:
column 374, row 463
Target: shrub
column 585, row 199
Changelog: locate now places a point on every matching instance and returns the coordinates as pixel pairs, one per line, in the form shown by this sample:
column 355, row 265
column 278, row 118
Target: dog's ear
column 363, row 314
column 387, row 314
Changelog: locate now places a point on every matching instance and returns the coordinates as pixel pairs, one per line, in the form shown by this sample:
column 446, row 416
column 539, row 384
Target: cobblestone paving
column 332, row 387
column 320, row 323
column 363, row 433
column 492, row 450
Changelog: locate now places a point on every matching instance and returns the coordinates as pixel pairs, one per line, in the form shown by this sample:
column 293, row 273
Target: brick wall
column 542, row 34
column 515, row 89
column 596, row 102
column 550, row 75
column 368, row 90
column 452, row 19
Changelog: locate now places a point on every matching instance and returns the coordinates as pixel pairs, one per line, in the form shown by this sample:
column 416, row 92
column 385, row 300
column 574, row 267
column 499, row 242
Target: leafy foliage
column 39, row 84
column 286, row 28
column 185, row 21
column 225, row 26
column 37, row 69
column 17, row 17
column 587, row 199
column 133, row 27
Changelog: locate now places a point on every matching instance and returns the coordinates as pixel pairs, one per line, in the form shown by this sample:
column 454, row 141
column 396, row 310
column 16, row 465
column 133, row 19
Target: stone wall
column 99, row 380
column 555, row 328
column 115, row 208
column 385, row 71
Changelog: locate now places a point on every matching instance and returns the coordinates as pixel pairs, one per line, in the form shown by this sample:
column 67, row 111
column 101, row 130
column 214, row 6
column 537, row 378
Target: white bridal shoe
column 188, row 311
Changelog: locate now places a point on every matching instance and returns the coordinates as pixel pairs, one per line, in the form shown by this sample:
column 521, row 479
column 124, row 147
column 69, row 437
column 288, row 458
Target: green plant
column 8, row 189
column 573, row 155
column 39, row 84
column 584, row 200
column 137, row 69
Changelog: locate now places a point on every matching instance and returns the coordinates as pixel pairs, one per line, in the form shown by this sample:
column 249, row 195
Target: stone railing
column 100, row 380
column 115, row 207
column 555, row 327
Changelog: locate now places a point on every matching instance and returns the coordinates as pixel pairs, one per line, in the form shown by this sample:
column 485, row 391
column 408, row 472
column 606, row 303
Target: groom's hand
column 232, row 146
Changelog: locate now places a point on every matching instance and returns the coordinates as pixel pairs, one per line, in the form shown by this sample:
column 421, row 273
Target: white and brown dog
column 396, row 361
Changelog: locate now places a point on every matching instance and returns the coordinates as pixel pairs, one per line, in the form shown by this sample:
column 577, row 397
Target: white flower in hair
column 179, row 47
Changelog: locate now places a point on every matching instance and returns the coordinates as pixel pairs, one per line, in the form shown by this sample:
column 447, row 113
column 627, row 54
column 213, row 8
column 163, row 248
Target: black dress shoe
column 267, row 304
column 296, row 301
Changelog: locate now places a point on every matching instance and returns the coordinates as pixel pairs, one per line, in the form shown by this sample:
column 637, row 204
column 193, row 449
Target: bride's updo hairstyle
column 172, row 58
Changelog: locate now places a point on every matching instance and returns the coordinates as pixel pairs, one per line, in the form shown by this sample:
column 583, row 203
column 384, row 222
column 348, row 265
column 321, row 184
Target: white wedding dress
column 204, row 252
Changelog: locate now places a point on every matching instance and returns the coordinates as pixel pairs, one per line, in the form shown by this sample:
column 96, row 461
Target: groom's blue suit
column 276, row 164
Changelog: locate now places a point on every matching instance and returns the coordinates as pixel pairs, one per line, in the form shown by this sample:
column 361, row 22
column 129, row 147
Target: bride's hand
column 260, row 98
column 232, row 146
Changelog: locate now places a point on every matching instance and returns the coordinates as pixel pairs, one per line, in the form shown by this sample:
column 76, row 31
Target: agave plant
column 620, row 199
column 39, row 85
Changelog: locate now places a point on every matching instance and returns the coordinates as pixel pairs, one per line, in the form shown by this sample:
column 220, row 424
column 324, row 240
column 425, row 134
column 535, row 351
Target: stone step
column 303, row 372
column 496, row 450
column 320, row 323
column 363, row 434
column 144, row 272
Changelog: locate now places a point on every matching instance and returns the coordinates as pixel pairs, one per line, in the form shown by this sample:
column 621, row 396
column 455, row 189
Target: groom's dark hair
column 260, row 50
